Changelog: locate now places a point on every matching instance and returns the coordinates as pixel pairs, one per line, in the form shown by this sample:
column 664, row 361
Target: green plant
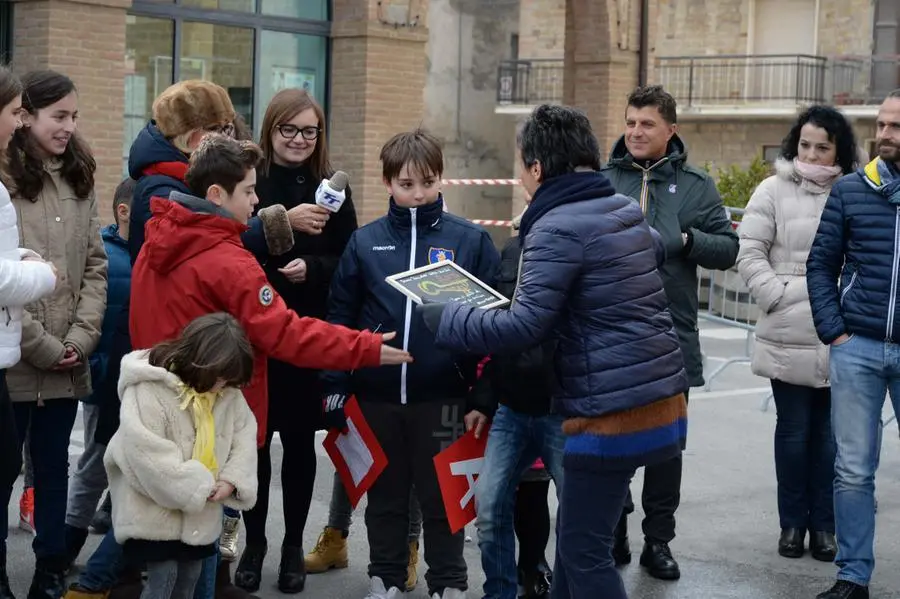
column 736, row 184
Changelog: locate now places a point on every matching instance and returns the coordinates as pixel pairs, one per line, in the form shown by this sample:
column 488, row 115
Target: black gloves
column 334, row 412
column 431, row 314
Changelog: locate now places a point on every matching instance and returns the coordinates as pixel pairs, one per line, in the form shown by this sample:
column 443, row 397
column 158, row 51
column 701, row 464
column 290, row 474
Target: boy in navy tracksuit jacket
column 419, row 409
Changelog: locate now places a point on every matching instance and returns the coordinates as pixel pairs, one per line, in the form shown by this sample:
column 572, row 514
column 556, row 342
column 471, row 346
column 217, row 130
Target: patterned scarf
column 884, row 178
column 201, row 405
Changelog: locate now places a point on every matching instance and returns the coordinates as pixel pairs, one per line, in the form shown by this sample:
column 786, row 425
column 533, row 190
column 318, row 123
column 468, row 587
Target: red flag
column 357, row 456
column 458, row 468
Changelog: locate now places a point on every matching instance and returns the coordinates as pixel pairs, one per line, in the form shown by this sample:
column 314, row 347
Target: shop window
column 316, row 10
column 233, row 5
column 290, row 60
column 223, row 55
column 148, row 71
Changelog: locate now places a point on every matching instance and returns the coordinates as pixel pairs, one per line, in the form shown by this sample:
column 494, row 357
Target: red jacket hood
column 184, row 226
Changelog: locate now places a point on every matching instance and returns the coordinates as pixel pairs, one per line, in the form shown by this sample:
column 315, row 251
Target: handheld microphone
column 330, row 194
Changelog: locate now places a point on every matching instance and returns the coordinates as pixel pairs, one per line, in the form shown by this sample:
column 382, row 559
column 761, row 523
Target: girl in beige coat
column 777, row 232
column 51, row 176
column 185, row 446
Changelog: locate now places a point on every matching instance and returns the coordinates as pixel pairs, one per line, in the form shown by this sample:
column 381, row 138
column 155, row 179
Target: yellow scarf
column 201, row 405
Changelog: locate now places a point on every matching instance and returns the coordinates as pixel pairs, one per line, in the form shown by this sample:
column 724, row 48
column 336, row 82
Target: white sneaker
column 451, row 594
column 377, row 590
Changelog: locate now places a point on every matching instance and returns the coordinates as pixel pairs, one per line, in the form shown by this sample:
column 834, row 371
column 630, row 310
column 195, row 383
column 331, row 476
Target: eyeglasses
column 291, row 131
column 226, row 129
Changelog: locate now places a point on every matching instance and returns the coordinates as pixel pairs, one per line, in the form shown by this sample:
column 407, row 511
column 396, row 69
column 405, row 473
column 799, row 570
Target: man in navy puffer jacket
column 853, row 275
column 589, row 280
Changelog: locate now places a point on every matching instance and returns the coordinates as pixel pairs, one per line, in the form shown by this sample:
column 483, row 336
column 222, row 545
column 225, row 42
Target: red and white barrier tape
column 480, row 181
column 492, row 223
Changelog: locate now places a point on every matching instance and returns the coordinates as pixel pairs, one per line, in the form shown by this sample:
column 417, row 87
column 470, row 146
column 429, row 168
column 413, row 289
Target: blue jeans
column 589, row 509
column 51, row 423
column 515, row 441
column 804, row 457
column 862, row 371
column 104, row 566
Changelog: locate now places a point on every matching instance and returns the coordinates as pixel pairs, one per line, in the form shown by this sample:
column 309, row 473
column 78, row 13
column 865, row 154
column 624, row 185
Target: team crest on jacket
column 436, row 255
column 266, row 295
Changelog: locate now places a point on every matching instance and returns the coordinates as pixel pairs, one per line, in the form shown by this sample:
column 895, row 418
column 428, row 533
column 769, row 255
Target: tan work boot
column 330, row 552
column 412, row 574
column 76, row 592
column 228, row 542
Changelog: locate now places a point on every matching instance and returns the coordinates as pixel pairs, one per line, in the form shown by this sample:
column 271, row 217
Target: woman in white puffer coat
column 24, row 278
column 776, row 234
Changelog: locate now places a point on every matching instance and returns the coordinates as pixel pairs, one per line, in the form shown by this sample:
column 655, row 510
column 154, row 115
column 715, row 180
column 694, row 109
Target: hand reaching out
column 391, row 356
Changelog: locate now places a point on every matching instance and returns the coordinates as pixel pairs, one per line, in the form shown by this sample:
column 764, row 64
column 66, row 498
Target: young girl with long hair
column 51, row 177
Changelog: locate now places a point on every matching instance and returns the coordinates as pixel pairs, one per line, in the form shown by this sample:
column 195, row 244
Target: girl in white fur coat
column 185, row 446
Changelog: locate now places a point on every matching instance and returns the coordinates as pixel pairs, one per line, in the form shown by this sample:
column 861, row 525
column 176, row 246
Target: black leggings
column 532, row 523
column 298, row 477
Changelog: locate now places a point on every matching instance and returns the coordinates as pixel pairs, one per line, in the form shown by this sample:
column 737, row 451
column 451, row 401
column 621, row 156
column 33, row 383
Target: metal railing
column 741, row 79
column 530, row 82
column 778, row 79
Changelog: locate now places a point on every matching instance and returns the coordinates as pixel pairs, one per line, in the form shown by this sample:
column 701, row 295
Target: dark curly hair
column 560, row 138
column 840, row 133
column 655, row 95
column 26, row 167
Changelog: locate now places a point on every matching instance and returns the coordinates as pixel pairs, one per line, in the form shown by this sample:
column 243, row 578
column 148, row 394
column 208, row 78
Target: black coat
column 294, row 393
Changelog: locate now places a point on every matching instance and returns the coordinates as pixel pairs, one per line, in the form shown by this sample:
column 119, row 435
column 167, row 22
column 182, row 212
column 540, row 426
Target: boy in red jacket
column 193, row 263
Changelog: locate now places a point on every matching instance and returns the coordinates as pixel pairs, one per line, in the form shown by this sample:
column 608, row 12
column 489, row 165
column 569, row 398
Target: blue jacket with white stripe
column 362, row 299
column 852, row 269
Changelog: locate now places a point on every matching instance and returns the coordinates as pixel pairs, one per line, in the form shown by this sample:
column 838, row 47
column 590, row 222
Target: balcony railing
column 530, row 82
column 775, row 80
column 763, row 81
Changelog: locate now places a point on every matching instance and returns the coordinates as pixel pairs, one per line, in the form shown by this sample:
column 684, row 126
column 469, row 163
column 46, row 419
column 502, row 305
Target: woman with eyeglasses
column 296, row 161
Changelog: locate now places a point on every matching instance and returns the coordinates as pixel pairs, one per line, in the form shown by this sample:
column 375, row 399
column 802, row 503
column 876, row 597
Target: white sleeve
column 24, row 281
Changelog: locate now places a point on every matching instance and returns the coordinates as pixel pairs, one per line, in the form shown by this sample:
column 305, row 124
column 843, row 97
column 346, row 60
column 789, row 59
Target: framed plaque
column 445, row 282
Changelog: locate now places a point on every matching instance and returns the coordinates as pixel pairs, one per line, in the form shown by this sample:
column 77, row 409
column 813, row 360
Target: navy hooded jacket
column 159, row 168
column 362, row 299
column 589, row 279
column 853, row 268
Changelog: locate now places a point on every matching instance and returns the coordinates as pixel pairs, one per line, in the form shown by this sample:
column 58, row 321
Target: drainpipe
column 644, row 51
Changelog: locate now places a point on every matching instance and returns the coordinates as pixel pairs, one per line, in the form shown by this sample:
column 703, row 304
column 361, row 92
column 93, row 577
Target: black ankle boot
column 657, row 558
column 790, row 543
column 822, row 546
column 249, row 569
column 292, row 571
column 75, row 540
column 49, row 580
column 5, row 591
column 621, row 551
column 536, row 583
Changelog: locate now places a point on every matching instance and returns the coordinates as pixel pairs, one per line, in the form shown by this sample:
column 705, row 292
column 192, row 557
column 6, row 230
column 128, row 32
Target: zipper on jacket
column 892, row 304
column 849, row 287
column 645, row 204
column 407, row 319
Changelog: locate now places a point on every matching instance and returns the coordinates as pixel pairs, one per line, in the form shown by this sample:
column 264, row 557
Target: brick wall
column 378, row 72
column 845, row 27
column 542, row 29
column 723, row 143
column 63, row 35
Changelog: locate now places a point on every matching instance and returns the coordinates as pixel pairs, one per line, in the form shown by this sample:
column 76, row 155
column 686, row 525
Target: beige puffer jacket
column 776, row 234
column 65, row 230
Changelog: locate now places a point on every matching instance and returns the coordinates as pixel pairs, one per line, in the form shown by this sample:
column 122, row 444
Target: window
column 885, row 68
column 148, row 71
column 316, row 10
column 770, row 153
column 234, row 5
column 223, row 55
column 290, row 60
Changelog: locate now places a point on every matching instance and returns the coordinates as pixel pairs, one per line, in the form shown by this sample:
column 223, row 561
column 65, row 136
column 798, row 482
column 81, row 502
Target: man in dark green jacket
column 649, row 163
